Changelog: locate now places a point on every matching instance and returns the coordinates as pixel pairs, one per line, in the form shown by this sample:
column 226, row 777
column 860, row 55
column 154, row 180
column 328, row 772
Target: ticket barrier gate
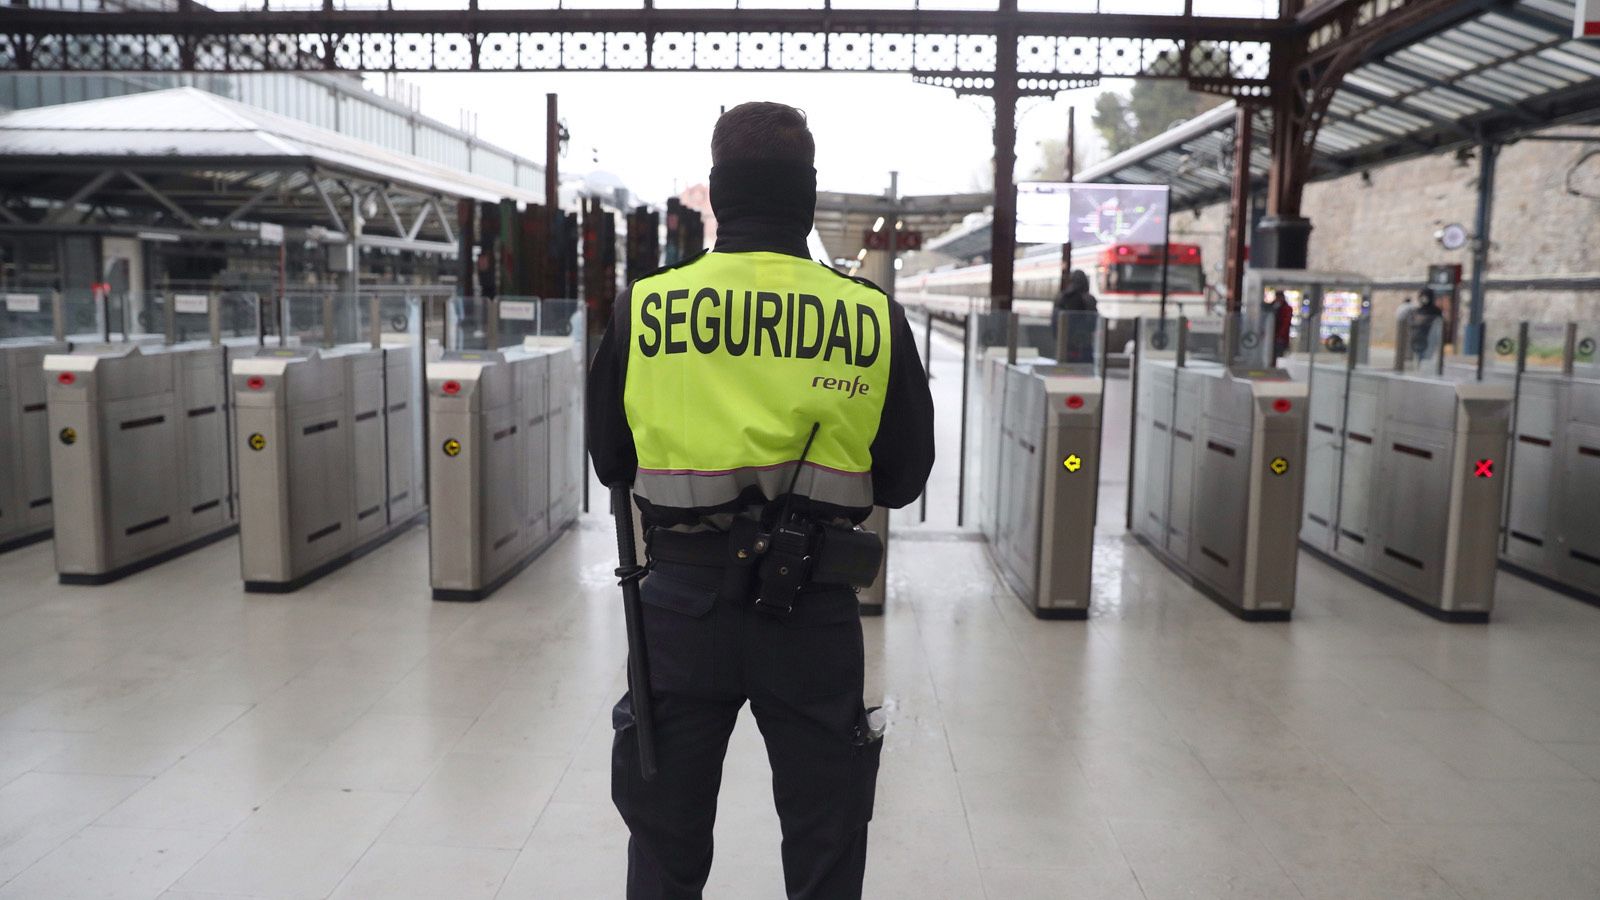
column 1403, row 491
column 1217, row 475
column 25, row 499
column 506, row 460
column 1040, row 493
column 140, row 468
column 1550, row 534
column 330, row 464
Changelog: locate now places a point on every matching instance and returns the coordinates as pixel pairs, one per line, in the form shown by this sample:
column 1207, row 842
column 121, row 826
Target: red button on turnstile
column 1282, row 405
column 255, row 382
column 1074, row 402
column 66, row 378
column 451, row 387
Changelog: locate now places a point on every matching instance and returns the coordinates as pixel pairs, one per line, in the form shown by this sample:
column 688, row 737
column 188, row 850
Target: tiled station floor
column 172, row 737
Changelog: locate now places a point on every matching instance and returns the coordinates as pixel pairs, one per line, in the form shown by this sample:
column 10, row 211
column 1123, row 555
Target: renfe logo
column 851, row 388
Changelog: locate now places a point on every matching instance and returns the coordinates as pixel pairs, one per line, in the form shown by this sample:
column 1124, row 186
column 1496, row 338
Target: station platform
column 171, row 736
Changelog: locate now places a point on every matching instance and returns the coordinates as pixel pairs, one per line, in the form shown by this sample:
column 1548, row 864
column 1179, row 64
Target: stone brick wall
column 1382, row 226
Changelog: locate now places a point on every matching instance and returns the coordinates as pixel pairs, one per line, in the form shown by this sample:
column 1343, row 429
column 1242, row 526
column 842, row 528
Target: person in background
column 1282, row 322
column 1402, row 315
column 1422, row 322
column 1077, row 301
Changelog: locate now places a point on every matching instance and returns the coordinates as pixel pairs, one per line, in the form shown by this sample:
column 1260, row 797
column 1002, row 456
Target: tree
column 1153, row 106
column 1052, row 161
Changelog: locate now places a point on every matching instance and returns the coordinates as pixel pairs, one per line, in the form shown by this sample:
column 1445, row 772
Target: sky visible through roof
column 653, row 131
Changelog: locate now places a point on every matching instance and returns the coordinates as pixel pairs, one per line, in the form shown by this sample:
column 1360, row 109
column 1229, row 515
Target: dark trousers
column 802, row 676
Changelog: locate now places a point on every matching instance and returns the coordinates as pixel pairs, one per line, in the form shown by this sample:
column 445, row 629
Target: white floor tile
column 111, row 864
column 421, row 872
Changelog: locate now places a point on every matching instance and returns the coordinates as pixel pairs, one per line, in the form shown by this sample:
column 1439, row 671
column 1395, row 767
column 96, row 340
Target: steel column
column 1239, row 206
column 1003, row 249
column 1488, row 155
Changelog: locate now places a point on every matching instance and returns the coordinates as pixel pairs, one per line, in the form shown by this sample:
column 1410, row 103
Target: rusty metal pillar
column 1284, row 235
column 552, row 154
column 1239, row 205
column 1003, row 249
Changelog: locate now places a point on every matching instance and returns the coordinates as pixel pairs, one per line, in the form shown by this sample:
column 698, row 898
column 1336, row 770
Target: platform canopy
column 843, row 220
column 195, row 164
column 1486, row 70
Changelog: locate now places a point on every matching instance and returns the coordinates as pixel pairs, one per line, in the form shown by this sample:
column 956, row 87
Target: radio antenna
column 794, row 480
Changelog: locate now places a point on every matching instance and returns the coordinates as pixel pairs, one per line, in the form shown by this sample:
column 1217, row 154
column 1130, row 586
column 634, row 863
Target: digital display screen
column 1090, row 215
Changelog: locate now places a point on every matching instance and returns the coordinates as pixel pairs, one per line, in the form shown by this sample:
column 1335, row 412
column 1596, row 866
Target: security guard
column 759, row 404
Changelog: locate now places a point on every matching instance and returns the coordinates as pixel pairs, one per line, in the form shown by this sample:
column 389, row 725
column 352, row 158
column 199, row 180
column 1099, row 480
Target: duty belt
column 831, row 555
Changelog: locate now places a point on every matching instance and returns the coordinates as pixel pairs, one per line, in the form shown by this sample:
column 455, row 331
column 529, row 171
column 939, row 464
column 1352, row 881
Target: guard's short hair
column 763, row 132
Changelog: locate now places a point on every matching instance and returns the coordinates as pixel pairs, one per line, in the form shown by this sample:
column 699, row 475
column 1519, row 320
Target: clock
column 1452, row 237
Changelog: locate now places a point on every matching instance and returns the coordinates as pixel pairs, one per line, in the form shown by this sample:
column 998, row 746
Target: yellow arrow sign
column 1279, row 466
column 452, row 447
column 258, row 442
column 1072, row 463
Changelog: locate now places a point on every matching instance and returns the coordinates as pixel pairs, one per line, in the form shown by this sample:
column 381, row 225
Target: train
column 1126, row 279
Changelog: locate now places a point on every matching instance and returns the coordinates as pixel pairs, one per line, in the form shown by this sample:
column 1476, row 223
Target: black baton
column 629, row 572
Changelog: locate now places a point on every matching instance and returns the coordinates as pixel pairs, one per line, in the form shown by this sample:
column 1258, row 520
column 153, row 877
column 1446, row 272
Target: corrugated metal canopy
column 842, row 219
column 190, row 127
column 1486, row 70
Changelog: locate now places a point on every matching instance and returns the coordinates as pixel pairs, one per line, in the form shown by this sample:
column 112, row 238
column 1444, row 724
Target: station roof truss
column 1228, row 55
column 1486, row 72
column 843, row 220
column 196, row 165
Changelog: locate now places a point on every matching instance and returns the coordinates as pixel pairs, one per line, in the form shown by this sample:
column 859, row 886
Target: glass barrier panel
column 191, row 315
column 303, row 319
column 84, row 312
column 1080, row 341
column 1500, row 337
column 1333, row 332
column 1586, row 350
column 27, row 314
column 145, row 315
column 563, row 317
column 467, row 323
column 1425, row 340
column 1157, row 339
column 1547, row 345
column 1205, row 340
column 240, row 314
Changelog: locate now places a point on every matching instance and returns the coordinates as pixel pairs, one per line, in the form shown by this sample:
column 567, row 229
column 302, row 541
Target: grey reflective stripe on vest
column 698, row 490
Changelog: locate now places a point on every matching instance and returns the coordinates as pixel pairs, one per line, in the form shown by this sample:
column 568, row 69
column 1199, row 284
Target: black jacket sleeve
column 610, row 440
column 902, row 453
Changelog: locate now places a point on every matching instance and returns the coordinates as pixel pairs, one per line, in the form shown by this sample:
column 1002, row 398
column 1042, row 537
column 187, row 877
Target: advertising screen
column 1090, row 215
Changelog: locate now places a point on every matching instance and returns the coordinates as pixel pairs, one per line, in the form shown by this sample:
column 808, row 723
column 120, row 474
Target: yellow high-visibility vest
column 732, row 357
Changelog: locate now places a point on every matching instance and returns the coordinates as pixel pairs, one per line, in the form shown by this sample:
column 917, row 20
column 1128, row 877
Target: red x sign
column 1485, row 468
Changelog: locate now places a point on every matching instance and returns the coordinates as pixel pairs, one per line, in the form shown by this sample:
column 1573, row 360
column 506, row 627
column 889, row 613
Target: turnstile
column 139, row 459
column 25, row 499
column 330, row 464
column 1219, row 460
column 1405, row 484
column 1551, row 533
column 506, row 461
column 1041, row 476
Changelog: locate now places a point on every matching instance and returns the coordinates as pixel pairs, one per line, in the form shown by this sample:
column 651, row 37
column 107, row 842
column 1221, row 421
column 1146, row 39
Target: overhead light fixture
column 158, row 236
column 878, row 225
column 862, row 255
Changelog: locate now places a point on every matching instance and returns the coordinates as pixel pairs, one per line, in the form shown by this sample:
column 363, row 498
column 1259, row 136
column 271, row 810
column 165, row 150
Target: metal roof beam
column 1408, row 109
column 641, row 19
column 69, row 205
column 1441, row 84
column 161, row 198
